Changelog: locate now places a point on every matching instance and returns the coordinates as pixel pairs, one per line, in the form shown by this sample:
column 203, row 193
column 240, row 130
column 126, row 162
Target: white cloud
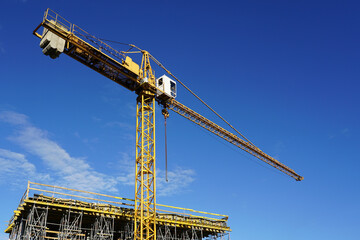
column 178, row 179
column 14, row 118
column 15, row 164
column 74, row 172
column 127, row 175
column 68, row 171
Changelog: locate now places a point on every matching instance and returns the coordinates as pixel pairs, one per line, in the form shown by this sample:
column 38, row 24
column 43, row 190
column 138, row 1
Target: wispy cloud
column 68, row 171
column 14, row 118
column 127, row 175
column 74, row 172
column 345, row 132
column 178, row 179
column 15, row 164
column 122, row 125
column 87, row 141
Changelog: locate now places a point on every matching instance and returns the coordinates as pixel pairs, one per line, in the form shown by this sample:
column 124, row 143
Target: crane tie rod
column 162, row 66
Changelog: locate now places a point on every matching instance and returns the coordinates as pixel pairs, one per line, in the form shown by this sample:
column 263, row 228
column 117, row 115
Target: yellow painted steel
column 145, row 190
column 145, row 183
column 146, row 70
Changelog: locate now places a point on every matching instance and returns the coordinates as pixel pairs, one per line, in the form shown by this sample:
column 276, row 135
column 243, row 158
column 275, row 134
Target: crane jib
column 230, row 137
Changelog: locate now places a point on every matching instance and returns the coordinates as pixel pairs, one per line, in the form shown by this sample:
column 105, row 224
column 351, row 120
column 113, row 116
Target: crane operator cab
column 166, row 88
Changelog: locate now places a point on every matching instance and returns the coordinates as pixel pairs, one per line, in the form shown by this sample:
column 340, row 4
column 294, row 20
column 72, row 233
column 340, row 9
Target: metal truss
column 70, row 226
column 35, row 225
column 16, row 233
column 128, row 232
column 103, row 228
column 145, row 202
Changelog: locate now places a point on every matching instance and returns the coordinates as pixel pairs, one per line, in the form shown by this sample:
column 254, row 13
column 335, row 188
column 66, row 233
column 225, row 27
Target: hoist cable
column 162, row 66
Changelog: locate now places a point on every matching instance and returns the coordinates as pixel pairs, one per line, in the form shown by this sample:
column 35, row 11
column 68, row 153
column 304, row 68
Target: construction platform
column 51, row 212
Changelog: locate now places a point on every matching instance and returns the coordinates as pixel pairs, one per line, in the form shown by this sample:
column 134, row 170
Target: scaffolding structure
column 70, row 226
column 55, row 213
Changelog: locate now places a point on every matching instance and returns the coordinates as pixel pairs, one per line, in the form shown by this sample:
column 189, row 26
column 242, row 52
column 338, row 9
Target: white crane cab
column 166, row 87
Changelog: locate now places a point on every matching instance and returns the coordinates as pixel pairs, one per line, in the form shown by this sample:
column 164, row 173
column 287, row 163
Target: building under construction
column 50, row 212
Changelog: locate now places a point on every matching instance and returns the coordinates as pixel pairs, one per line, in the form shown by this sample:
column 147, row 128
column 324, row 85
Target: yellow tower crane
column 60, row 36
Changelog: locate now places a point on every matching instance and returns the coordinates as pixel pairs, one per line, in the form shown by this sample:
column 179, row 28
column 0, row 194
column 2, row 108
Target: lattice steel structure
column 70, row 226
column 35, row 224
column 145, row 201
column 103, row 228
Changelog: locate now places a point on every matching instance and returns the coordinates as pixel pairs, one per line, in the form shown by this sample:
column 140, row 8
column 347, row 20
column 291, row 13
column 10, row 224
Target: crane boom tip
column 300, row 178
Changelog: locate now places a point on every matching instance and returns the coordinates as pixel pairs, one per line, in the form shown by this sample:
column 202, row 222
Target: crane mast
column 120, row 68
column 145, row 181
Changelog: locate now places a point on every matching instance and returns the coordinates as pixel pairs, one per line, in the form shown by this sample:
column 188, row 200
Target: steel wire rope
column 202, row 101
column 162, row 66
column 127, row 44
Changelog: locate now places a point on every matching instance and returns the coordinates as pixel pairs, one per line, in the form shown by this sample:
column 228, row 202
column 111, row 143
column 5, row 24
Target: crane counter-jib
column 91, row 51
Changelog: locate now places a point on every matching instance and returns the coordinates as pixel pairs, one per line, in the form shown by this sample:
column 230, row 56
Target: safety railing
column 61, row 195
column 55, row 18
column 52, row 17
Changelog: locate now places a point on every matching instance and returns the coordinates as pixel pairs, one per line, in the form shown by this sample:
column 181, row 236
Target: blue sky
column 284, row 74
